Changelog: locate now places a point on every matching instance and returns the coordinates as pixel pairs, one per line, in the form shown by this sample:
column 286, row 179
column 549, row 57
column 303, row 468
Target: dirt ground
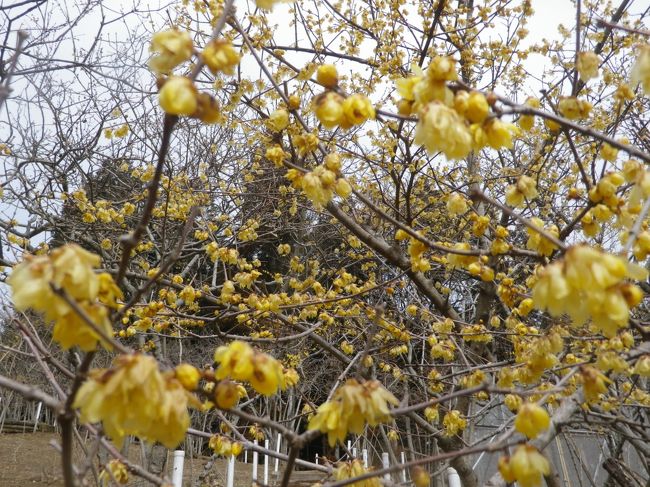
column 30, row 460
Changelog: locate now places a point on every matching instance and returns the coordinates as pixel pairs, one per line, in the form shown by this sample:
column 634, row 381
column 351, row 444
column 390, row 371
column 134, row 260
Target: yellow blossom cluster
column 239, row 361
column 452, row 124
column 350, row 470
column 114, row 470
column 135, row 398
column 532, row 419
column 527, row 466
column 352, row 406
column 320, row 184
column 641, row 70
column 69, row 269
column 589, row 284
column 178, row 95
column 453, row 423
column 224, row 446
column 525, row 188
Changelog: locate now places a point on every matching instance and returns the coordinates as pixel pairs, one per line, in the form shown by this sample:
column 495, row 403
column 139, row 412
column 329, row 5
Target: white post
column 255, row 460
column 266, row 463
column 364, row 455
column 403, row 461
column 316, row 458
column 245, row 456
column 349, row 448
column 38, row 415
column 385, row 463
column 354, row 452
column 453, row 477
column 177, row 472
column 230, row 476
column 277, row 450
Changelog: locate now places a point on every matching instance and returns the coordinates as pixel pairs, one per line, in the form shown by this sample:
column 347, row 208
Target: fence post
column 230, row 476
column 177, row 471
column 403, row 461
column 266, row 463
column 38, row 415
column 385, row 463
column 453, row 477
column 277, row 450
column 364, row 456
column 255, row 460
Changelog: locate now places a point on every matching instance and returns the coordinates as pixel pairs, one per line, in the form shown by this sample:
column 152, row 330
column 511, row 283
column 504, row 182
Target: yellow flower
column 227, row 394
column 498, row 134
column 117, row 471
column 453, row 423
column 173, row 47
column 593, row 382
column 573, row 108
column 527, row 467
column 276, row 155
column 477, row 107
column 456, row 204
column 240, row 362
column 531, row 420
column 267, row 376
column 526, row 187
column 350, row 470
column 278, row 120
column 432, row 414
column 587, row 65
column 70, row 329
column 440, row 128
column 235, row 361
column 420, row 477
column 178, row 96
column 188, row 375
column 641, row 69
column 328, row 108
column 442, row 68
column 207, row 109
column 327, row 75
column 352, row 406
column 220, row 55
column 357, row 109
column 133, row 397
column 342, row 188
column 642, row 366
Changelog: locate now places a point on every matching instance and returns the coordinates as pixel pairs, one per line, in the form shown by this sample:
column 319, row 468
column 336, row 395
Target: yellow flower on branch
column 239, row 361
column 527, row 466
column 173, row 47
column 134, row 397
column 352, row 406
column 531, row 420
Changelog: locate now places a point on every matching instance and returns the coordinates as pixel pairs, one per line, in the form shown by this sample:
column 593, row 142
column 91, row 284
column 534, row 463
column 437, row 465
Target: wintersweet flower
column 527, row 466
column 178, row 96
column 440, row 128
column 173, row 47
column 531, row 420
column 453, row 423
column 641, row 69
column 134, row 397
column 220, row 56
column 352, row 406
column 327, row 75
column 587, row 65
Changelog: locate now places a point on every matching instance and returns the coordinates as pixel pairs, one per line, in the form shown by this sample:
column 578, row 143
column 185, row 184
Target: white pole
column 177, row 472
column 403, row 461
column 364, row 455
column 316, row 458
column 277, row 450
column 266, row 463
column 230, row 476
column 354, row 452
column 255, row 460
column 38, row 415
column 453, row 477
column 349, row 448
column 385, row 463
column 245, row 456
